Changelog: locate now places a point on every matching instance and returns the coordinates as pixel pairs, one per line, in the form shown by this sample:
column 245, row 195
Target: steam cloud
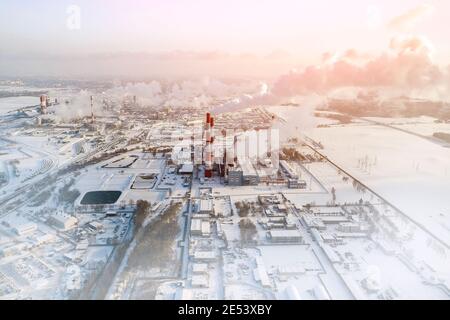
column 198, row 93
column 79, row 107
column 409, row 19
column 407, row 66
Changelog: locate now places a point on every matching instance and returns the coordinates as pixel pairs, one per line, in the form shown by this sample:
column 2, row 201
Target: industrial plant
column 224, row 156
column 225, row 205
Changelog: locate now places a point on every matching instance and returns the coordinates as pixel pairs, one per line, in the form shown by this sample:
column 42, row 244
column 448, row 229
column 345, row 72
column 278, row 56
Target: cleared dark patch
column 101, row 197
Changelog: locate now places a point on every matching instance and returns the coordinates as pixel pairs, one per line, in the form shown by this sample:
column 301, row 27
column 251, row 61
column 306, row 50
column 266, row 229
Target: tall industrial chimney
column 43, row 105
column 208, row 146
column 92, row 109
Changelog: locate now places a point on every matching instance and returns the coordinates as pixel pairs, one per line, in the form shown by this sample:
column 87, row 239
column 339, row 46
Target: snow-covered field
column 425, row 126
column 13, row 103
column 410, row 172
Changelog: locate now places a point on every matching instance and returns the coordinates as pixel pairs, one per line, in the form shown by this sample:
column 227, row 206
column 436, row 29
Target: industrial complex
column 129, row 202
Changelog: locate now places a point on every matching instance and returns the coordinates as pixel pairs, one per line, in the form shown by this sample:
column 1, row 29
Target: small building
column 25, row 228
column 329, row 238
column 95, row 226
column 196, row 227
column 111, row 213
column 285, row 236
column 63, row 222
column 200, row 227
column 249, row 174
column 206, row 229
column 45, row 238
column 349, row 227
column 260, row 273
column 235, row 177
column 336, row 219
column 187, row 168
column 206, row 206
column 205, row 256
column 13, row 249
column 281, row 208
column 288, row 169
column 200, row 268
column 314, row 222
column 201, row 216
column 296, row 184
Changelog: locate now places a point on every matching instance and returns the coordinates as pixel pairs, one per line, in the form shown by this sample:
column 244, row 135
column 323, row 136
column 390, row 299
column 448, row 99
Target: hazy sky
column 177, row 37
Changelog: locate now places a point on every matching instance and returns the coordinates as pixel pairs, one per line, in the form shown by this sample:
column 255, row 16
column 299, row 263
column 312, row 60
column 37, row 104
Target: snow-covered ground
column 13, row 103
column 410, row 172
column 425, row 126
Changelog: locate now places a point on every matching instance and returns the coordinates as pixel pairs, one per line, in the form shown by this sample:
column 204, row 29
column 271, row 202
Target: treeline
column 405, row 107
column 247, row 231
column 442, row 136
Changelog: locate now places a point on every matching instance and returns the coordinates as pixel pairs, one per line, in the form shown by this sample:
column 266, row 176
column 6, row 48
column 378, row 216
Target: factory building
column 296, row 184
column 200, row 228
column 63, row 222
column 260, row 273
column 250, row 175
column 235, row 177
column 349, row 227
column 205, row 256
column 285, row 236
column 25, row 228
column 288, row 169
column 196, row 227
column 205, row 206
column 221, row 156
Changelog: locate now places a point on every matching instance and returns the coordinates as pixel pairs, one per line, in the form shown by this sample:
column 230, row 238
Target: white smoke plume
column 407, row 67
column 149, row 94
column 261, row 97
column 202, row 92
column 79, row 106
column 408, row 20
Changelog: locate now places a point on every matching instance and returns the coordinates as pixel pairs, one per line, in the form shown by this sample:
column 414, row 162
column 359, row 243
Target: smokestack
column 43, row 100
column 92, row 109
column 208, row 147
column 212, row 129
